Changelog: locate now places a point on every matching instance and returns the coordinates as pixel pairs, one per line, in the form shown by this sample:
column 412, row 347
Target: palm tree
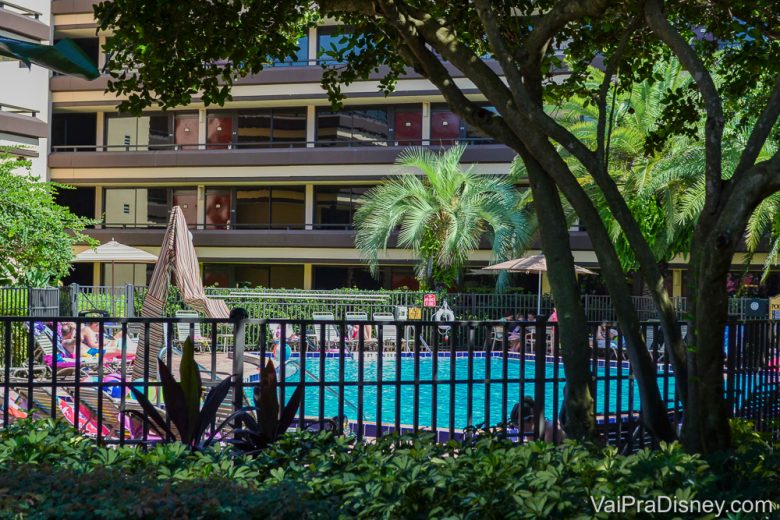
column 664, row 187
column 442, row 215
column 652, row 182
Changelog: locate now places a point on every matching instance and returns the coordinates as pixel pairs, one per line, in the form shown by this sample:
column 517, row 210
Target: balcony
column 23, row 22
column 294, row 154
column 21, row 122
column 286, row 73
column 320, row 237
column 73, row 6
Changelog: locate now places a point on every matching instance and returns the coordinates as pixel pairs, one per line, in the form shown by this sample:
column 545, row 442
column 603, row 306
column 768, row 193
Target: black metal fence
column 376, row 377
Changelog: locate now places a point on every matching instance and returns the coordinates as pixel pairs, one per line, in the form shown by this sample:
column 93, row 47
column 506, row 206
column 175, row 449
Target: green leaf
column 190, row 385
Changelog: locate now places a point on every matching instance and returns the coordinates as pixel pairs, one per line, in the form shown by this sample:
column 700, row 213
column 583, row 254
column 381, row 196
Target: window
column 331, row 40
column 335, row 206
column 380, row 126
column 253, row 275
column 301, row 57
column 338, row 277
column 73, row 130
column 357, row 126
column 263, row 128
column 277, row 207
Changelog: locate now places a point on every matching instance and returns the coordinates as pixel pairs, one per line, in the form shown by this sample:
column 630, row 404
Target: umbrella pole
column 539, row 296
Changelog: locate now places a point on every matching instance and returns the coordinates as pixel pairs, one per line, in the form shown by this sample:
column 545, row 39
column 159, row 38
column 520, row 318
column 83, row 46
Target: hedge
column 47, row 470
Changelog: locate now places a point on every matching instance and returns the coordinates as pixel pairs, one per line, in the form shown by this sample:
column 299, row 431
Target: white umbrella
column 530, row 264
column 116, row 253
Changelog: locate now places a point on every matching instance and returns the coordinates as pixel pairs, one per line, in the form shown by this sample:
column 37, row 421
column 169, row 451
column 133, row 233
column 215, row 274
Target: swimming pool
column 615, row 390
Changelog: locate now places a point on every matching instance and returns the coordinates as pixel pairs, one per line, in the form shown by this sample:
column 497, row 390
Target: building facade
column 24, row 91
column 269, row 182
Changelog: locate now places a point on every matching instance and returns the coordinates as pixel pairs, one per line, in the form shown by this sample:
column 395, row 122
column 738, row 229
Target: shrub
column 45, row 464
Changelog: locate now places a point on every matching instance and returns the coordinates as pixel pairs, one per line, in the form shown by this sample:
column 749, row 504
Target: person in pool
column 523, row 417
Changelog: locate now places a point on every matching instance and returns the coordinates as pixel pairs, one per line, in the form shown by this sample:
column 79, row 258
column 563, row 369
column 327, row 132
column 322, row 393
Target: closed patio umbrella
column 530, row 264
column 177, row 255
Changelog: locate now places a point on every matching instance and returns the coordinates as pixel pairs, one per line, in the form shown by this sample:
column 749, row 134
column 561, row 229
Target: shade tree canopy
column 37, row 235
column 522, row 55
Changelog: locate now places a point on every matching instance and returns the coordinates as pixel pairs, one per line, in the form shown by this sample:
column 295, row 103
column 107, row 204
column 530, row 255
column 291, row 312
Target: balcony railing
column 18, row 9
column 320, row 143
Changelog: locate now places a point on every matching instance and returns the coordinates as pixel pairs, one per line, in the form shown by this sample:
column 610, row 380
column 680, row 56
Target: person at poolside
column 605, row 335
column 530, row 317
column 515, row 336
column 523, row 417
column 90, row 336
column 68, row 337
column 553, row 316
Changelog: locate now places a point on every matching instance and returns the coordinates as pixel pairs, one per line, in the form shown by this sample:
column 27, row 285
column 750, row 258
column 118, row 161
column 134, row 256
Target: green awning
column 65, row 57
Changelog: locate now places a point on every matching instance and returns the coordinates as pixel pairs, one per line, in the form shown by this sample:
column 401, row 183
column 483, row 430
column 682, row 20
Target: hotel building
column 268, row 182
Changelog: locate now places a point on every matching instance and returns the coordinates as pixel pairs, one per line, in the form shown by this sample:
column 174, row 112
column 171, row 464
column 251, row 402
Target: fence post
column 30, row 301
column 730, row 366
column 540, row 373
column 239, row 317
column 74, row 299
column 129, row 300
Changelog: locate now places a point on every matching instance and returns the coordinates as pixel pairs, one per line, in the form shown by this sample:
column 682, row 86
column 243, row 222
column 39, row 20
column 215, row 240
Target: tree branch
column 760, row 133
column 612, row 66
column 555, row 19
column 656, row 20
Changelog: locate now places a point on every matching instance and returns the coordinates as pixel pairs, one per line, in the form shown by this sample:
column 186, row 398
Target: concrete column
column 202, row 129
column 311, row 125
column 100, row 131
column 309, row 206
column 676, row 283
column 96, row 273
column 312, row 45
column 426, row 123
column 200, row 207
column 307, row 276
column 101, row 53
column 99, row 204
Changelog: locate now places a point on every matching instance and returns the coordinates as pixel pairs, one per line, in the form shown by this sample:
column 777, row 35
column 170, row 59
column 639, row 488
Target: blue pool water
column 618, row 393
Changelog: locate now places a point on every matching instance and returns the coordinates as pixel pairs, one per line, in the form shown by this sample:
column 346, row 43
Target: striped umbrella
column 178, row 255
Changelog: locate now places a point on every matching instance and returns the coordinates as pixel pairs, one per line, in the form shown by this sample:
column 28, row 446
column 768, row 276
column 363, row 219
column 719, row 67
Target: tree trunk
column 654, row 414
column 706, row 421
column 572, row 325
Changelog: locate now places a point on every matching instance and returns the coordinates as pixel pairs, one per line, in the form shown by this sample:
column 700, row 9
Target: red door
column 408, row 127
column 186, row 131
column 219, row 131
column 217, row 209
column 445, row 128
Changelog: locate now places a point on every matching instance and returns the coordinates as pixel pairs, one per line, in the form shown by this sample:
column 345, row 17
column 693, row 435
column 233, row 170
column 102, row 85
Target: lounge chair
column 183, row 331
column 331, row 332
column 389, row 331
column 354, row 318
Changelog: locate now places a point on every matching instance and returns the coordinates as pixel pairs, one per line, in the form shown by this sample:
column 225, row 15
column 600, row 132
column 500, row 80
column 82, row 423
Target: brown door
column 445, row 127
column 217, row 209
column 219, row 131
column 408, row 127
column 187, row 200
column 186, row 131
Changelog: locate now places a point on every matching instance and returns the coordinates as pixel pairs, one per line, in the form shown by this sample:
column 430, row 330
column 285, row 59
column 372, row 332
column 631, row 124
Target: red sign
column 429, row 300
